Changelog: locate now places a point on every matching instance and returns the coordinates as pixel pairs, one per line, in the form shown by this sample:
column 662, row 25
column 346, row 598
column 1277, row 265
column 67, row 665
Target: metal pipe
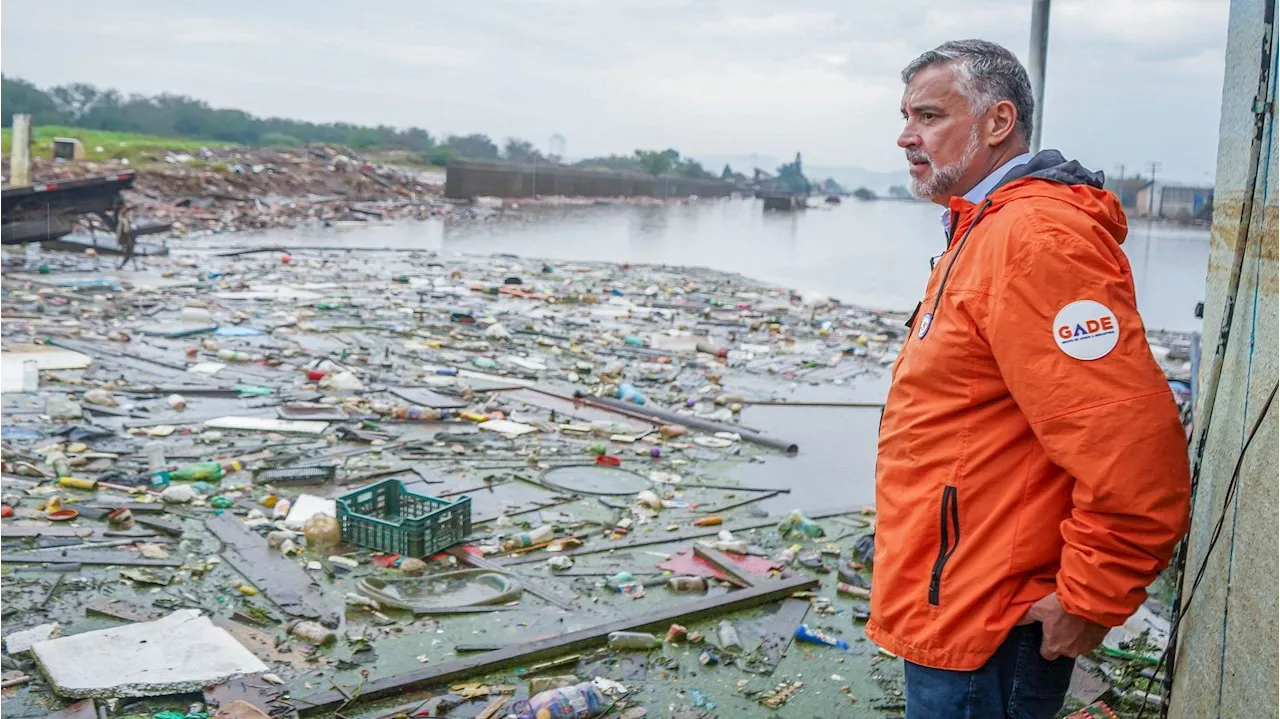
column 656, row 414
column 1036, row 65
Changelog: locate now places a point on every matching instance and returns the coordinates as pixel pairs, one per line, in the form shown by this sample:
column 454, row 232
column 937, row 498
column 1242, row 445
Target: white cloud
column 703, row 76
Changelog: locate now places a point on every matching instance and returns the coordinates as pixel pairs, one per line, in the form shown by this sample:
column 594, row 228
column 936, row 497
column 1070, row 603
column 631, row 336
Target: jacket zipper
column 949, row 527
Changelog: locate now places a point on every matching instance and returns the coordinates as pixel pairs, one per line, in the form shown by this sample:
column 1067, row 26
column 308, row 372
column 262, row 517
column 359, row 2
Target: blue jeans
column 1015, row 683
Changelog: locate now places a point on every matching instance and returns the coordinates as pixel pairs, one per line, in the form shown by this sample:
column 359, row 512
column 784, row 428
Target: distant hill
column 850, row 177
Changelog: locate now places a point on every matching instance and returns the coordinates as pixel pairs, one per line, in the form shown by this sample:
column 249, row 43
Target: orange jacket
column 1030, row 443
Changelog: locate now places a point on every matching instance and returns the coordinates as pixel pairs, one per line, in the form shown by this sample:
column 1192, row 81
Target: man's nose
column 908, row 138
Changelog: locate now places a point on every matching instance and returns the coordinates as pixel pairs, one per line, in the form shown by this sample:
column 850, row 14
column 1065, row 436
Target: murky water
column 874, row 254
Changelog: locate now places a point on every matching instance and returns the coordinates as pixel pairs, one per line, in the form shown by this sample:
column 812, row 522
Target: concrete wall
column 467, row 178
column 1226, row 662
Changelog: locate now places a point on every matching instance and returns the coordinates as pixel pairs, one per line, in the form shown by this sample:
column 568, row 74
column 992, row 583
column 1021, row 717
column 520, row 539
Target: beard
column 942, row 178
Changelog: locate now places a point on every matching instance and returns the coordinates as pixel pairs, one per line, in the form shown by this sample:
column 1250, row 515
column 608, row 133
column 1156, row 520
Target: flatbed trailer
column 48, row 211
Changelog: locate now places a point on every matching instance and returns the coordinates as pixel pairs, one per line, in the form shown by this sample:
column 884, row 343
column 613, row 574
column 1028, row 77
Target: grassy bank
column 103, row 144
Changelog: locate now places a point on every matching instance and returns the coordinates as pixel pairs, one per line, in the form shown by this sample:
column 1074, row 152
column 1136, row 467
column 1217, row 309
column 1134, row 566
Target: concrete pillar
column 1225, row 664
column 20, row 152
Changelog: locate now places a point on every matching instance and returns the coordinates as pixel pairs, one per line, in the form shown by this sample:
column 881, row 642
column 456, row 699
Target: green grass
column 122, row 145
column 402, row 158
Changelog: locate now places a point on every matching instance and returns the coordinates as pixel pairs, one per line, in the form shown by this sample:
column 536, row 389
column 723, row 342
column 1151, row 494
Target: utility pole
column 1121, row 166
column 1036, row 65
column 20, row 152
column 1151, row 193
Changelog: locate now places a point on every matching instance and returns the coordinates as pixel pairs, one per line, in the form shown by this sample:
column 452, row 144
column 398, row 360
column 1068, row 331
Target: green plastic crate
column 389, row 518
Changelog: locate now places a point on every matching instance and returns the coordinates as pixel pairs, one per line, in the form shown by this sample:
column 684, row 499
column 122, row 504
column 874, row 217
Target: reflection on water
column 874, row 254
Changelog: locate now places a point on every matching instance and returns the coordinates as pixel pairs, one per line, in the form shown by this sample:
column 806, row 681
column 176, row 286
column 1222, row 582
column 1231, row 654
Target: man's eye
column 927, row 116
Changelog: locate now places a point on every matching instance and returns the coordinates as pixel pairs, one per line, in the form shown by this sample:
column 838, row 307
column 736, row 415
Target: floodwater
column 874, row 254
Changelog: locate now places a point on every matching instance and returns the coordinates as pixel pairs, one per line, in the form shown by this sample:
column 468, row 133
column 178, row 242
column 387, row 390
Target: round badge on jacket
column 925, row 323
column 1086, row 330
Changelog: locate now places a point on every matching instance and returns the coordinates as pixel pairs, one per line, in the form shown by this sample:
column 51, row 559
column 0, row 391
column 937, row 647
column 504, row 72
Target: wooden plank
column 426, row 398
column 327, row 702
column 18, row 532
column 725, row 565
column 739, row 503
column 124, row 611
column 88, row 556
column 694, row 533
column 490, row 711
column 782, row 631
column 281, row 581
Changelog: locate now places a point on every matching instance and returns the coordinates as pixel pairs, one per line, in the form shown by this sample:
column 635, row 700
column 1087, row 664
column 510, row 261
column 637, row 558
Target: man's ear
column 1001, row 121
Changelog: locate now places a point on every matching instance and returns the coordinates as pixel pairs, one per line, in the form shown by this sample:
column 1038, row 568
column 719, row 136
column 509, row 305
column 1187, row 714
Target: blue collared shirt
column 982, row 189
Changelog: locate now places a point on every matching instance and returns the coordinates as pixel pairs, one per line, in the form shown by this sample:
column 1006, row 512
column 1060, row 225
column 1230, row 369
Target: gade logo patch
column 1086, row 330
column 925, row 323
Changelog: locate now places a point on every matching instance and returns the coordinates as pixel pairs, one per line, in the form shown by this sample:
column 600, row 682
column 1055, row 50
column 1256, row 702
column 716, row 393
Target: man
column 1032, row 475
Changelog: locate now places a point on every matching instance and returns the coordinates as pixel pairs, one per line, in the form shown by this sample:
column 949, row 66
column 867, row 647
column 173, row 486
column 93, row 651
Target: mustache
column 918, row 156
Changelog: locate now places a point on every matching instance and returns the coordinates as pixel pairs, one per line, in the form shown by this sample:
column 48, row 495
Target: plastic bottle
column 234, row 356
column 61, row 465
column 728, row 636
column 687, row 584
column 157, row 465
column 628, row 393
column 416, row 413
column 312, row 632
column 484, row 363
column 281, row 509
column 581, row 701
column 205, row 471
column 30, row 376
column 817, row 636
column 529, row 538
column 634, row 341
column 638, row 641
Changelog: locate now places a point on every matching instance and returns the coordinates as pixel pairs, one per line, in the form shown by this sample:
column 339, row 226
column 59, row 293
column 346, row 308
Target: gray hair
column 988, row 74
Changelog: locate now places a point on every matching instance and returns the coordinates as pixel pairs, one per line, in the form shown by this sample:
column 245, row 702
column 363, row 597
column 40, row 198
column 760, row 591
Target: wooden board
column 685, row 536
column 88, row 556
column 782, row 631
column 326, row 702
column 426, row 398
column 282, row 581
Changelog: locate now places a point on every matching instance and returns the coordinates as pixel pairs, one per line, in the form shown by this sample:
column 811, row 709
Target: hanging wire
column 1213, row 540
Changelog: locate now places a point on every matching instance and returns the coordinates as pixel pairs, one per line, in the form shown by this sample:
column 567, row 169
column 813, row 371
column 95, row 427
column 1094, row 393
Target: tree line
column 87, row 106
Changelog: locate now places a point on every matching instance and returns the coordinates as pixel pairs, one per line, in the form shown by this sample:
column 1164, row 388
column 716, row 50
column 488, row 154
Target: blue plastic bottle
column 628, row 393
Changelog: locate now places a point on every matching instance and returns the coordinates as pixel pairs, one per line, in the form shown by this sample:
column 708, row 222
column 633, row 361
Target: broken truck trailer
column 47, row 212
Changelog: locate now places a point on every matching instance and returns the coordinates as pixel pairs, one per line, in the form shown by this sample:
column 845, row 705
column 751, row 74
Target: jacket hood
column 1050, row 175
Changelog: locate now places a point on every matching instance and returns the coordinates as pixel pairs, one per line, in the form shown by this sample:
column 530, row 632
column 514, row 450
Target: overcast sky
column 1129, row 81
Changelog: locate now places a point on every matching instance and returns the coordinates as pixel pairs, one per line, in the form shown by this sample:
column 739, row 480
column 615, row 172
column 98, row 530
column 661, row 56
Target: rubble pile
column 416, row 483
column 224, row 190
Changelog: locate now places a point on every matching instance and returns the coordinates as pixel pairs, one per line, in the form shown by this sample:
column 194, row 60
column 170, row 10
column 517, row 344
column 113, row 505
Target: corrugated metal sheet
column 1226, row 663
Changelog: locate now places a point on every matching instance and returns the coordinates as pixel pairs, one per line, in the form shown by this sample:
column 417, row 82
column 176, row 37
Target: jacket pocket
column 949, row 531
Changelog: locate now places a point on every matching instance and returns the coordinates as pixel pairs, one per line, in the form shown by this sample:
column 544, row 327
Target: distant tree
column 610, row 162
column 863, row 193
column 899, row 192
column 726, row 173
column 657, row 163
column 475, row 146
column 439, row 156
column 18, row 95
column 831, row 187
column 791, row 177
column 693, row 169
column 279, row 139
column 518, row 150
column 364, row 139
